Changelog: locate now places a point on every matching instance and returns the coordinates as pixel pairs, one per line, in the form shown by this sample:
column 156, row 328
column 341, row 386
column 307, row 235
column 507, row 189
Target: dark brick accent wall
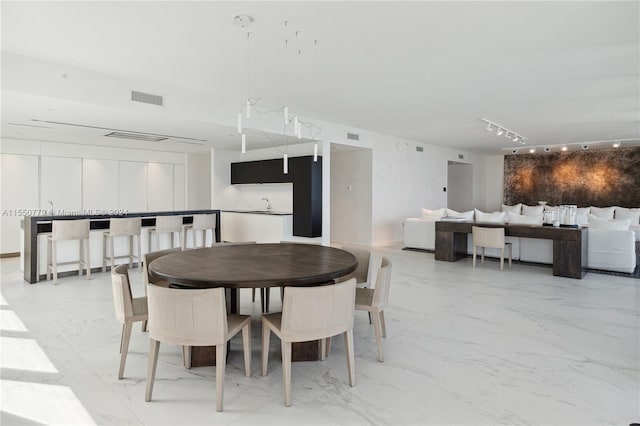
column 609, row 177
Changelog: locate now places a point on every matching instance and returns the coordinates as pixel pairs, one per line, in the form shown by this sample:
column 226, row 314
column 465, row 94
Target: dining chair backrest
column 310, row 313
column 488, row 237
column 122, row 298
column 150, row 257
column 194, row 317
column 204, row 221
column 63, row 230
column 125, row 226
column 361, row 274
column 383, row 283
column 168, row 223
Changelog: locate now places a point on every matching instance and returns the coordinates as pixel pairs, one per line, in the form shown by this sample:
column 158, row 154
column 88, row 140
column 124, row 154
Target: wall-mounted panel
column 160, row 186
column 133, row 186
column 61, row 182
column 586, row 178
column 19, row 191
column 99, row 184
column 179, row 187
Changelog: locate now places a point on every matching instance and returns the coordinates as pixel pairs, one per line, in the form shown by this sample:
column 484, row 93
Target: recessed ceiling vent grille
column 353, row 136
column 147, row 98
column 419, row 149
column 137, row 136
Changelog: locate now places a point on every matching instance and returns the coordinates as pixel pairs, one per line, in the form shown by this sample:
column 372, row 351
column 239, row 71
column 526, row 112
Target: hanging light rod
column 500, row 130
column 602, row 144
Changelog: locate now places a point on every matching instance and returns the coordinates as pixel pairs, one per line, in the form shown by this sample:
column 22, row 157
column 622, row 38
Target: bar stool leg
column 49, row 262
column 54, row 262
column 104, row 253
column 81, row 258
column 113, row 250
column 138, row 237
column 88, row 258
column 130, row 251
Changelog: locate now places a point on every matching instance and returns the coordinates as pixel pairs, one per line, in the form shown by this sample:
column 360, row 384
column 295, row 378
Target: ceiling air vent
column 137, row 136
column 419, row 149
column 460, row 157
column 146, row 98
column 353, row 136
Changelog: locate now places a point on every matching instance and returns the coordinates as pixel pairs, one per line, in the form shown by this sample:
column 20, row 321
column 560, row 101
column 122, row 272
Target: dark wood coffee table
column 254, row 266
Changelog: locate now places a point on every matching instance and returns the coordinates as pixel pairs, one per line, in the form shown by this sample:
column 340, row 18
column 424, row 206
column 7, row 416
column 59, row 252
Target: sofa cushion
column 519, row 218
column 462, row 215
column 624, row 213
column 495, row 217
column 582, row 217
column 516, row 208
column 532, row 210
column 613, row 224
column 432, row 214
column 603, row 212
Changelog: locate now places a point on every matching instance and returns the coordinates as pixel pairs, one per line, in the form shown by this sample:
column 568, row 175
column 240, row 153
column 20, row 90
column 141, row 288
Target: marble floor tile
column 465, row 346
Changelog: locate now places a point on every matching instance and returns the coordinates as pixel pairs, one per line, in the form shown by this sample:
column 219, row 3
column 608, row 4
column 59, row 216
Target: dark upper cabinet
column 306, row 176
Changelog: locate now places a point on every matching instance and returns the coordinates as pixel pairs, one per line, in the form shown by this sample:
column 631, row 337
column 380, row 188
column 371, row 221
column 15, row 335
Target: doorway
column 459, row 186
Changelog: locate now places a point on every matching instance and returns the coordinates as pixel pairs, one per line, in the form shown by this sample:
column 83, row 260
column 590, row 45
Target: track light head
column 489, row 127
column 499, row 131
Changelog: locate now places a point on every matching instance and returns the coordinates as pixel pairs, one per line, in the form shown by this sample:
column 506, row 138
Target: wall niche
column 608, row 177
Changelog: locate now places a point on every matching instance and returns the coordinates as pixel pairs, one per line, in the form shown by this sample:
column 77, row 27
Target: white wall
column 351, row 196
column 493, row 193
column 405, row 180
column 199, row 180
column 84, row 179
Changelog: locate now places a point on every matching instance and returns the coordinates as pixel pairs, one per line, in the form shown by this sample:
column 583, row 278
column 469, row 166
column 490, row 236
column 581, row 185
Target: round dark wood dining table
column 253, row 266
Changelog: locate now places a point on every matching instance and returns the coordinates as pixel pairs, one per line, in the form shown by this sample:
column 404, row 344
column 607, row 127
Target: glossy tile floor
column 464, row 346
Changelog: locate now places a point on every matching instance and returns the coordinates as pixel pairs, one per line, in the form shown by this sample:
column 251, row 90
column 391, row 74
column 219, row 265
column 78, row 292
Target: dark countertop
column 267, row 212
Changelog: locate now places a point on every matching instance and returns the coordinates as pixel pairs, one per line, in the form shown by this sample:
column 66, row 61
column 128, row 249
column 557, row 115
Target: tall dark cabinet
column 306, row 176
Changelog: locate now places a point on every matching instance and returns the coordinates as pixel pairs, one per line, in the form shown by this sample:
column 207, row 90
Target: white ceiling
column 555, row 72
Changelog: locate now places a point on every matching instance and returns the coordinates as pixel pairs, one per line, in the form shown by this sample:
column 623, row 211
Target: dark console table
column 34, row 225
column 569, row 244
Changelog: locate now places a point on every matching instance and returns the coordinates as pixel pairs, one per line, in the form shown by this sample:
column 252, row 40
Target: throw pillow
column 603, row 212
column 516, row 208
column 495, row 217
column 532, row 210
column 462, row 215
column 618, row 224
column 525, row 220
column 432, row 214
column 624, row 213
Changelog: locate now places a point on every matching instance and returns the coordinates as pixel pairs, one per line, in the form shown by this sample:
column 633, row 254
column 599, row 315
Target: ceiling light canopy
column 501, row 130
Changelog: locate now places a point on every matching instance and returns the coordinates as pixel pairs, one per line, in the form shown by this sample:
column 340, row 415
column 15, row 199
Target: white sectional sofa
column 608, row 249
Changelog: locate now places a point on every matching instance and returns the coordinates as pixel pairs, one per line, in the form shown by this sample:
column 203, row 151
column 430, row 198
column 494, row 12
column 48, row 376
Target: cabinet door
column 133, row 186
column 61, row 182
column 248, row 172
column 99, row 185
column 160, row 187
column 19, row 190
column 272, row 171
column 179, row 187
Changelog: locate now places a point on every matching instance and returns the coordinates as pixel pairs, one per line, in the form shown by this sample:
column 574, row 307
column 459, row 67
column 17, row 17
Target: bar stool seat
column 202, row 223
column 68, row 230
column 165, row 225
column 122, row 227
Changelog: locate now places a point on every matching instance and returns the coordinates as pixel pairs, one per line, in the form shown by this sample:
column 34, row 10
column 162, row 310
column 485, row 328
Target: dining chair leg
column 138, row 237
column 246, row 345
column 121, row 337
column 220, row 367
column 125, row 347
column 130, row 251
column 266, row 337
column 286, row 372
column 323, row 349
column 474, row 255
column 384, row 326
column 88, row 258
column 502, row 258
column 144, row 326
column 510, row 247
column 328, row 347
column 369, row 317
column 154, row 348
column 348, row 345
column 186, row 356
column 377, row 328
column 482, row 257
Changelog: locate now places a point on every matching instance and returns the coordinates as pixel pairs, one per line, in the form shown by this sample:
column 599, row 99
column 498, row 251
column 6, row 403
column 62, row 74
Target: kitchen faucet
column 268, row 204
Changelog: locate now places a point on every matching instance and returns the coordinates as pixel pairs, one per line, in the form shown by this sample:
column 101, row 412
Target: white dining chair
column 150, row 279
column 311, row 313
column 194, row 317
column 128, row 310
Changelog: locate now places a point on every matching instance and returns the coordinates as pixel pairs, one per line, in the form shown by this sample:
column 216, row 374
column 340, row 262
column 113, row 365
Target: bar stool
column 122, row 227
column 201, row 222
column 165, row 225
column 68, row 230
